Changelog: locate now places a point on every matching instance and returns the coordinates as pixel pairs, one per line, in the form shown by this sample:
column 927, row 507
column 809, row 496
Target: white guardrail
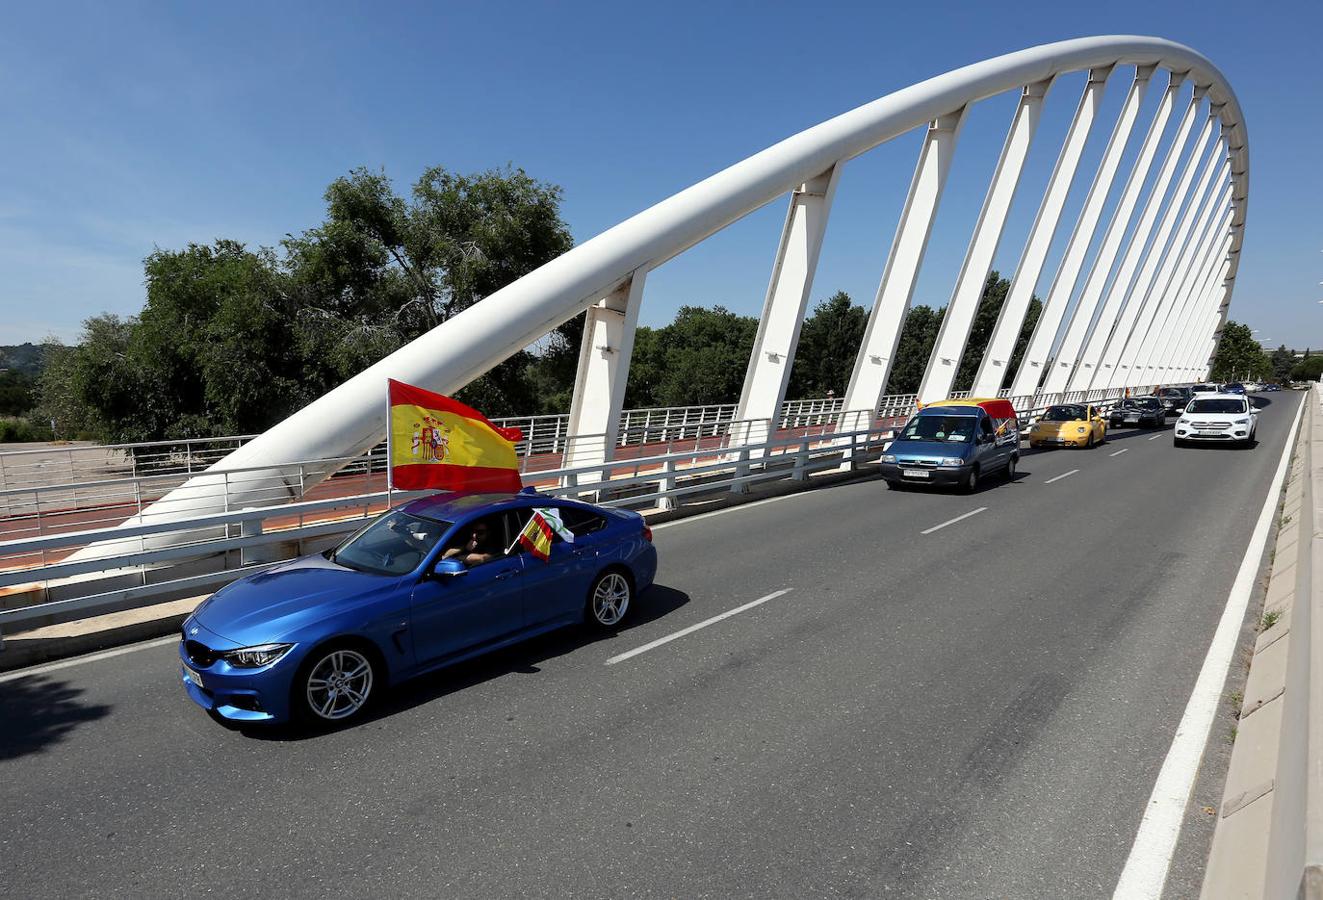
column 661, row 455
column 249, row 540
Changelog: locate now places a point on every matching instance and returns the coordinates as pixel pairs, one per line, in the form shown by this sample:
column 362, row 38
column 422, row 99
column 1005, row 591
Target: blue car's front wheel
column 335, row 685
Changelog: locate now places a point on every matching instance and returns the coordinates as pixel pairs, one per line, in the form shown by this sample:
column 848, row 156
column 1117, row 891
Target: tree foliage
column 1283, row 361
column 700, row 358
column 1308, row 369
column 828, row 343
column 1239, row 356
column 232, row 340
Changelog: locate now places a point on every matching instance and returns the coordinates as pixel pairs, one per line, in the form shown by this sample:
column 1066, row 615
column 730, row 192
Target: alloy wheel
column 339, row 684
column 610, row 600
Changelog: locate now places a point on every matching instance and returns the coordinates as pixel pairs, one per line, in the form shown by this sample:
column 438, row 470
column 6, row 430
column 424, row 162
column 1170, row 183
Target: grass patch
column 1237, row 700
column 1270, row 619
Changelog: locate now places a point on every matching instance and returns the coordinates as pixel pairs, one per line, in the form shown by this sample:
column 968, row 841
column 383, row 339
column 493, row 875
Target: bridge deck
column 976, row 711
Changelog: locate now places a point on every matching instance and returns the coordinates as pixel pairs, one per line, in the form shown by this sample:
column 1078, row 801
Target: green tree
column 995, row 289
column 16, row 393
column 232, row 340
column 828, row 343
column 700, row 358
column 1283, row 361
column 917, row 338
column 1239, row 356
column 1309, row 369
column 384, row 269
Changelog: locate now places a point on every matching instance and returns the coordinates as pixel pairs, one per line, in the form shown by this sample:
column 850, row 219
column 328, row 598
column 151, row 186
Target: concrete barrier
column 1269, row 837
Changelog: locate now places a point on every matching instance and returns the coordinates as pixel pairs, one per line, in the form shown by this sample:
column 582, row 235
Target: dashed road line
column 1119, row 452
column 651, row 645
column 972, row 512
column 1061, row 476
column 1155, row 437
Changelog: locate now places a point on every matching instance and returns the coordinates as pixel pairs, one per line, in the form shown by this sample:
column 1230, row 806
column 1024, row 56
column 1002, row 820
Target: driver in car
column 476, row 550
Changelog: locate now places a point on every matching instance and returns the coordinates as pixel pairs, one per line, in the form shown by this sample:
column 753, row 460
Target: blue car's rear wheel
column 609, row 599
column 336, row 685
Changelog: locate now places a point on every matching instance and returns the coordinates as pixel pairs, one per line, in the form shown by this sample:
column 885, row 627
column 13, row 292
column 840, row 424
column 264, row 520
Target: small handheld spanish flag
column 536, row 536
column 434, row 442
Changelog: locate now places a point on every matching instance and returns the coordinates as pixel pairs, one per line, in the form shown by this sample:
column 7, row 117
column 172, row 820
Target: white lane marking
column 79, row 660
column 1061, row 476
column 972, row 512
column 692, row 628
column 1119, row 452
column 754, row 504
column 1145, row 871
column 1155, row 437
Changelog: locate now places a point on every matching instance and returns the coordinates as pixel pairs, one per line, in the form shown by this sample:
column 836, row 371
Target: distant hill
column 23, row 358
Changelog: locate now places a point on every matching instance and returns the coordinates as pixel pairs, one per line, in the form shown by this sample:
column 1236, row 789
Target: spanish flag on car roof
column 435, row 442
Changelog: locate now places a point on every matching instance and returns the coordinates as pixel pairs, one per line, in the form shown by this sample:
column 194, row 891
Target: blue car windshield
column 395, row 544
column 942, row 429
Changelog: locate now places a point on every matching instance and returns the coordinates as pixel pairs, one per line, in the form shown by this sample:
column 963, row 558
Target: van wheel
column 971, row 481
column 1010, row 468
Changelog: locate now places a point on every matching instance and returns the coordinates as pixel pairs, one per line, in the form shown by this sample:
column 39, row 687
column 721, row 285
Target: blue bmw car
column 430, row 583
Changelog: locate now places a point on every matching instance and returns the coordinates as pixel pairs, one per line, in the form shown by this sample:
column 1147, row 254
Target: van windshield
column 944, row 429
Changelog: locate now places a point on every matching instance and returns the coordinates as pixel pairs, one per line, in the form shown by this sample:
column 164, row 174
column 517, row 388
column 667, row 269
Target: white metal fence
column 212, row 549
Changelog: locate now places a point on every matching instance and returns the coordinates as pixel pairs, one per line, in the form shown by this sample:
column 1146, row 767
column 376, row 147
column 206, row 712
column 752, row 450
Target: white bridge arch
column 1150, row 308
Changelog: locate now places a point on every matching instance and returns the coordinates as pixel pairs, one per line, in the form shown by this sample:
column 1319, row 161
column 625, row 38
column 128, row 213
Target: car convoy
column 448, row 577
column 960, row 442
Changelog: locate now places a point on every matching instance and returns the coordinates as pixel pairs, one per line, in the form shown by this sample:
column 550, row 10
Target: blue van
column 954, row 443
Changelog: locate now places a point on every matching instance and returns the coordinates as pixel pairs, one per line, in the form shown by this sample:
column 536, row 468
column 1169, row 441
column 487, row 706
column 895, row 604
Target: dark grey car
column 1143, row 412
column 1174, row 399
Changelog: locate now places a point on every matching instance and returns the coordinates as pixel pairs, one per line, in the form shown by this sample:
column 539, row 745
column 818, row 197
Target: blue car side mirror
column 448, row 568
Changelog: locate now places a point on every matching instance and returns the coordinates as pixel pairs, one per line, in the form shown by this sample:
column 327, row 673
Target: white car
column 1228, row 418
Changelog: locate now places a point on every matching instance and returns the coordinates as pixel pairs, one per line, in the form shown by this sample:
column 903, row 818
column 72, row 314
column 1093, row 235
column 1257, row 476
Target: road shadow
column 37, row 711
column 655, row 603
column 1259, row 402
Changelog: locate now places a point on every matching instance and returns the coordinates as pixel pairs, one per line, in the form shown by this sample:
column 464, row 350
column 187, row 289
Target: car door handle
column 584, row 551
column 504, row 575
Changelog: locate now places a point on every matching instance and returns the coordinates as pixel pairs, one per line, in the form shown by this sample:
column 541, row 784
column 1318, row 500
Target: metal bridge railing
column 211, row 549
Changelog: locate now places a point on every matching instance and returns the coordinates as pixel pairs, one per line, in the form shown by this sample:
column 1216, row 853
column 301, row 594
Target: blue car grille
column 919, row 463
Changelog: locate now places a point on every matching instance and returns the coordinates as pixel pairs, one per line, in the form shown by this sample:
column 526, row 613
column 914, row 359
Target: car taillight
column 647, row 534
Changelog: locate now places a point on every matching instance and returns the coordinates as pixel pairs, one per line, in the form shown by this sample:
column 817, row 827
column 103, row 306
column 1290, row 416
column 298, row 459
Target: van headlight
column 952, row 461
column 888, row 457
column 256, row 657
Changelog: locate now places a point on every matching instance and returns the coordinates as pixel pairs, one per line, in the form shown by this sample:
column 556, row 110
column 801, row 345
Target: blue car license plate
column 194, row 677
column 916, row 473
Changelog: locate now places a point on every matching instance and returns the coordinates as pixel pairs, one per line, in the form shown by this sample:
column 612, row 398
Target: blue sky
column 134, row 126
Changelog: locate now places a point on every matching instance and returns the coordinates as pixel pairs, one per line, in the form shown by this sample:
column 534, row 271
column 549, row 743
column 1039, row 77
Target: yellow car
column 1069, row 425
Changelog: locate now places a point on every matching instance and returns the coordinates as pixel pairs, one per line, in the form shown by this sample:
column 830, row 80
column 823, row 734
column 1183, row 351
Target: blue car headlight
column 952, row 461
column 888, row 457
column 255, row 657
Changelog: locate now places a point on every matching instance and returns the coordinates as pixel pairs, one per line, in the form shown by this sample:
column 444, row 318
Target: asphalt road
column 979, row 711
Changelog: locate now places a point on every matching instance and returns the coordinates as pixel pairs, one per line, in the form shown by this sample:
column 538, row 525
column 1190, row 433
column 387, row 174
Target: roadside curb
column 21, row 649
column 1239, row 858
